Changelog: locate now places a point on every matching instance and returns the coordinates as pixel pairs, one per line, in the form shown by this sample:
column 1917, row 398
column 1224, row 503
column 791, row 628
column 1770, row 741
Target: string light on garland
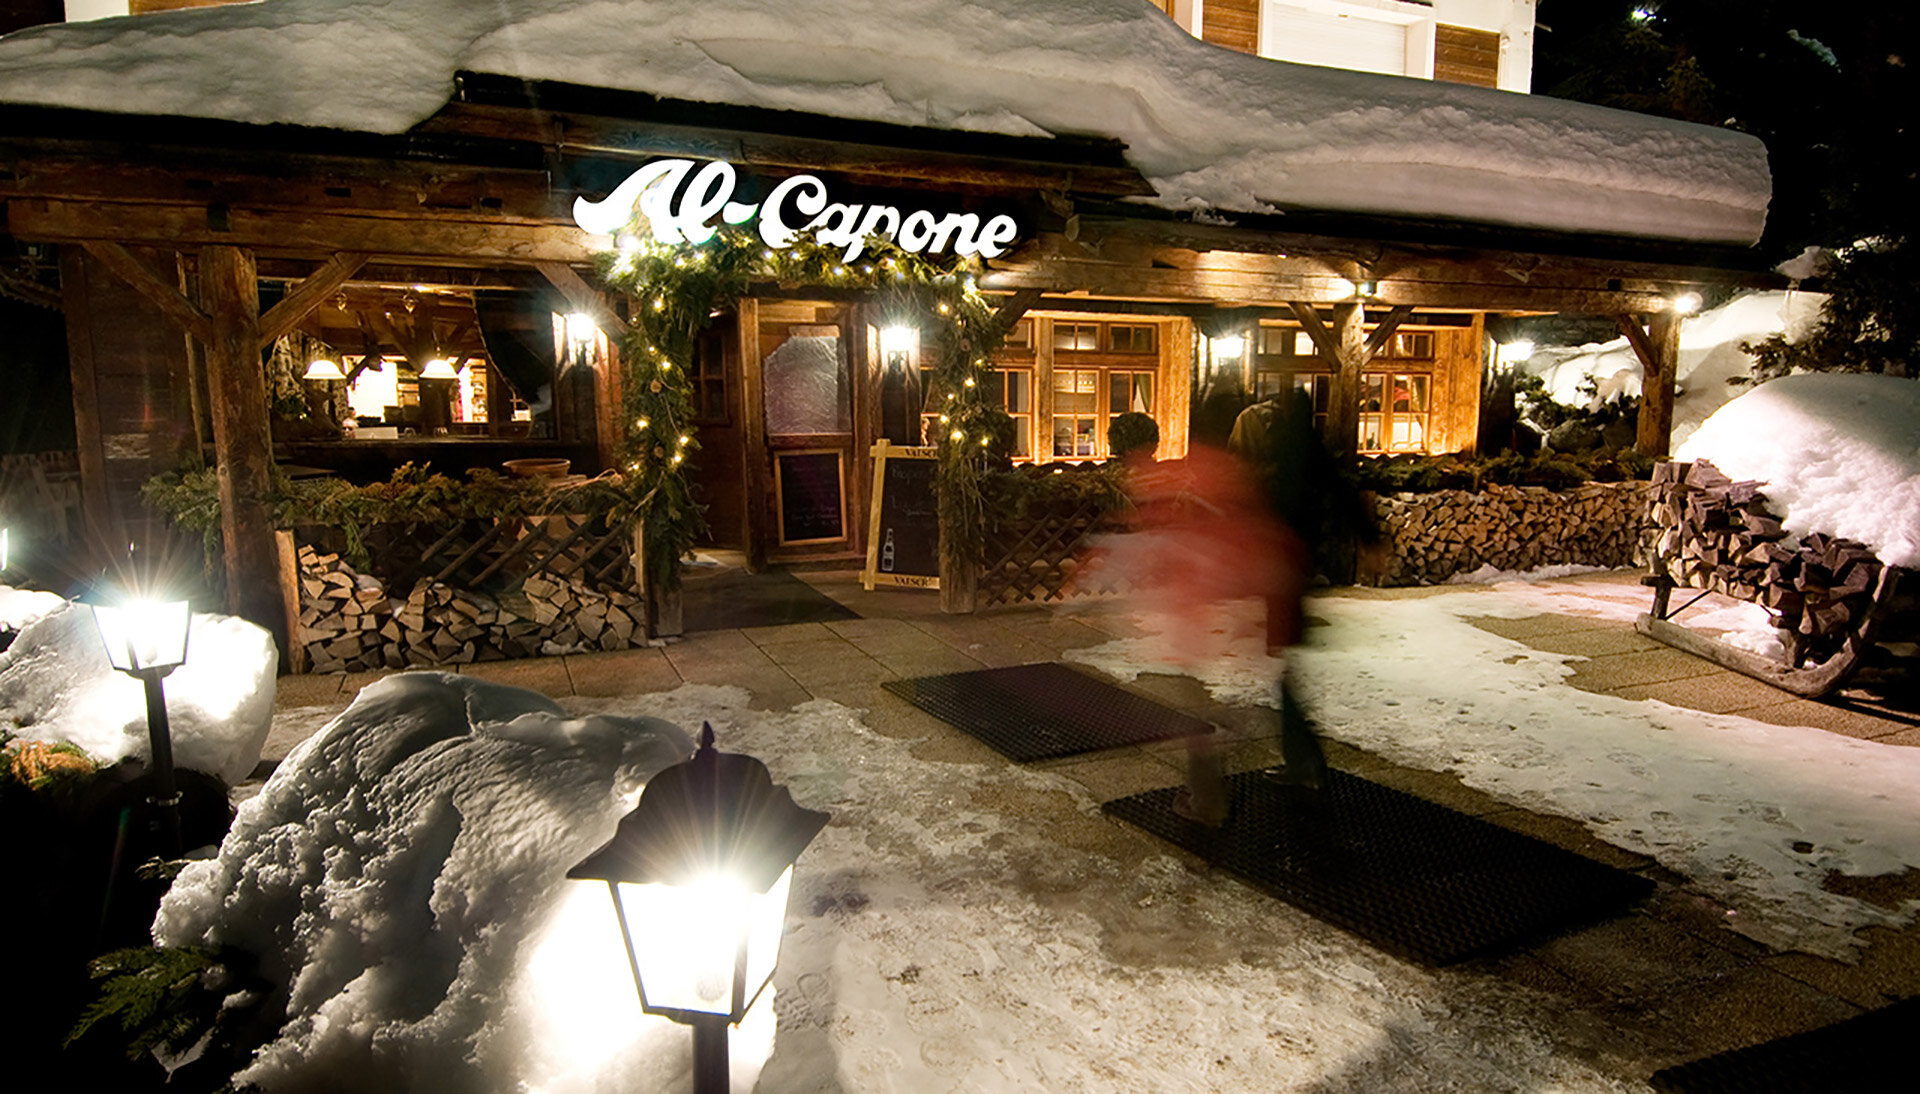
column 685, row 286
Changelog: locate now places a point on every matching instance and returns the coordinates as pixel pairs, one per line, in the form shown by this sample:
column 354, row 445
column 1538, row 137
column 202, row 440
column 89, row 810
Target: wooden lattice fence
column 1042, row 552
column 465, row 590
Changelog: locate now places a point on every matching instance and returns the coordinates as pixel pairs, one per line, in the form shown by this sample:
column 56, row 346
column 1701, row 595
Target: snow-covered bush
column 401, row 879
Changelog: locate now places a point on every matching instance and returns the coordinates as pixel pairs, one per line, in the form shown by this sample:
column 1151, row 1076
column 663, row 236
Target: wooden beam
column 1323, row 339
column 242, row 444
column 583, row 297
column 309, row 233
column 1343, row 412
column 1014, row 307
column 759, row 469
column 1658, row 347
column 305, row 296
column 1383, row 331
column 156, row 290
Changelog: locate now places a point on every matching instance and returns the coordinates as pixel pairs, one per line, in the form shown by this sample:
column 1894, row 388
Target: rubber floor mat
column 1037, row 712
column 1416, row 879
column 1862, row 1053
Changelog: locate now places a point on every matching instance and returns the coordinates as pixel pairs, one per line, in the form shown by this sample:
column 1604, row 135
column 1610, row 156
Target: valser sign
column 681, row 205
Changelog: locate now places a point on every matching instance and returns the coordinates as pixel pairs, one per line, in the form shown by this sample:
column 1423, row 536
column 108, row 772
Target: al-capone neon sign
column 682, row 210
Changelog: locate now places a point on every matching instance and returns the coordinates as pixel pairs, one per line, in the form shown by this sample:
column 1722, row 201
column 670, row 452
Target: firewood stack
column 1717, row 534
column 1433, row 536
column 349, row 624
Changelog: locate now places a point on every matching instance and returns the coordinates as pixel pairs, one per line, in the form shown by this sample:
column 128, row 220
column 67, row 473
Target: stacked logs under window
column 348, row 623
column 1717, row 534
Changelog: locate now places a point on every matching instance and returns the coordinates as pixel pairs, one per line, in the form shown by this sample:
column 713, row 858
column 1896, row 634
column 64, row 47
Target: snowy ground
column 1755, row 814
column 970, row 926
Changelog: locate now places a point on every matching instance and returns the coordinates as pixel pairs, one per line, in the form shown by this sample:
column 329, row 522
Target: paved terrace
column 1666, row 983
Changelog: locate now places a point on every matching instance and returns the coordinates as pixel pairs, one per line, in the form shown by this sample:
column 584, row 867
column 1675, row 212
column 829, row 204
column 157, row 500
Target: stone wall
column 1431, row 537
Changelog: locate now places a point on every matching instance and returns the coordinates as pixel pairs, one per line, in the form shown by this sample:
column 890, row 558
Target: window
column 1394, row 411
column 1076, row 413
column 1076, row 337
column 1417, row 345
column 1131, row 338
column 709, row 387
column 1020, row 337
column 1012, row 389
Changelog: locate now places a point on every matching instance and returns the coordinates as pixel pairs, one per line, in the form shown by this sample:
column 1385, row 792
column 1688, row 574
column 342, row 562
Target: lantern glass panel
column 144, row 634
column 688, row 941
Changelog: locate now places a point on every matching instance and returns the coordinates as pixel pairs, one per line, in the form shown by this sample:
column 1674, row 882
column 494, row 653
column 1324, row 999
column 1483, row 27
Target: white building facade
column 1488, row 43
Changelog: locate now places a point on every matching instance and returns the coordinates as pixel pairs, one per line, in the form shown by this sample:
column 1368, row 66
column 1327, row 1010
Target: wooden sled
column 1809, row 681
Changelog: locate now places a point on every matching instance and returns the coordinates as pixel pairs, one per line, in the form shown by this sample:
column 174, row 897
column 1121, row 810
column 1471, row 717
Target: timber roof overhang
column 492, row 176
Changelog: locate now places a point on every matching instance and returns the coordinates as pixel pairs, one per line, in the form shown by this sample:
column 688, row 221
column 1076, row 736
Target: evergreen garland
column 675, row 291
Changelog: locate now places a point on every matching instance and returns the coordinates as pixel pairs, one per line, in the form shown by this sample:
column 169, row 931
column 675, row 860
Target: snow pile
column 1837, row 453
column 19, row 607
column 57, row 685
column 1754, row 814
column 402, row 877
column 1710, row 356
column 1208, row 127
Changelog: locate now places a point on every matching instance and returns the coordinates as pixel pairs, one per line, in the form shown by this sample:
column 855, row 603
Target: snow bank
column 56, row 684
column 1839, row 454
column 402, row 878
column 19, row 607
column 1208, row 127
column 1753, row 814
column 1710, row 356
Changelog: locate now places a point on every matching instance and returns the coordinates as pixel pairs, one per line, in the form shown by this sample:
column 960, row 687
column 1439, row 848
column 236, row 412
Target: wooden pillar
column 1657, row 344
column 1343, row 414
column 242, row 441
column 753, row 420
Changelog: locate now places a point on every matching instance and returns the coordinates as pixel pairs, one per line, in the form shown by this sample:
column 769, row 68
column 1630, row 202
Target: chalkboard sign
column 811, row 489
column 904, row 545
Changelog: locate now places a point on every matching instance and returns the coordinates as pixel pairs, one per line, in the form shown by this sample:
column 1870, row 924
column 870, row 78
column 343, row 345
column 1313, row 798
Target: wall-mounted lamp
column 898, row 342
column 582, row 331
column 1366, row 290
column 1686, row 303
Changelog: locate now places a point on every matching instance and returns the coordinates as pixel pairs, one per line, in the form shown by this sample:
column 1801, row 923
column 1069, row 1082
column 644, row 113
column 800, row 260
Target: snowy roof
column 1208, row 128
column 1834, row 453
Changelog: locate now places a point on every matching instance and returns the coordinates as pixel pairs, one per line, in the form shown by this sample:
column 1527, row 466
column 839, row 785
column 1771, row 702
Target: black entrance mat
column 1414, row 878
column 1037, row 712
column 735, row 598
column 1867, row 1052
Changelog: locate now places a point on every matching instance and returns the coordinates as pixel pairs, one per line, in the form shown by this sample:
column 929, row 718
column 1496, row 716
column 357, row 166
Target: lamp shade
column 699, row 874
column 144, row 636
column 439, row 369
column 323, row 369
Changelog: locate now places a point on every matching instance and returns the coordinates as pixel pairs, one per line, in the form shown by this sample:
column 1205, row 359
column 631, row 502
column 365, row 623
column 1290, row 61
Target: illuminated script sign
column 683, row 209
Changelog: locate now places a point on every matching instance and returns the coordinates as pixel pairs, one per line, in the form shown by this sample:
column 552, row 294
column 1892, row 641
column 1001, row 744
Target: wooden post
column 1343, row 419
column 753, row 420
column 1658, row 347
column 288, row 556
column 959, row 586
column 243, row 444
column 664, row 608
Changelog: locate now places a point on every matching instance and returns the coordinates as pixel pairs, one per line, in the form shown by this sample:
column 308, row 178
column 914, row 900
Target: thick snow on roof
column 1208, row 127
column 1836, row 453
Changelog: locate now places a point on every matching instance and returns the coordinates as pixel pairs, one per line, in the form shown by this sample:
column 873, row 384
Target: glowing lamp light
column 323, row 369
column 144, row 637
column 1517, row 352
column 1686, row 303
column 439, row 369
column 581, row 329
column 1367, row 290
column 699, row 874
column 147, row 639
column 898, row 341
column 1229, row 348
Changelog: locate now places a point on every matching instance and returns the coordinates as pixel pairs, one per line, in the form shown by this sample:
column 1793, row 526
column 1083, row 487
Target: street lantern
column 147, row 639
column 699, row 874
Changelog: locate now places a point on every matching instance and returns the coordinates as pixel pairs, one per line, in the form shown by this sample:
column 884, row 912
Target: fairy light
column 642, row 424
column 959, row 436
column 970, row 381
column 684, row 438
column 945, row 420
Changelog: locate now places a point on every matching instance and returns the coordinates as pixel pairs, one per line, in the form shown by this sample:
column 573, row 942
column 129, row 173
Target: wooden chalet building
column 189, row 247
